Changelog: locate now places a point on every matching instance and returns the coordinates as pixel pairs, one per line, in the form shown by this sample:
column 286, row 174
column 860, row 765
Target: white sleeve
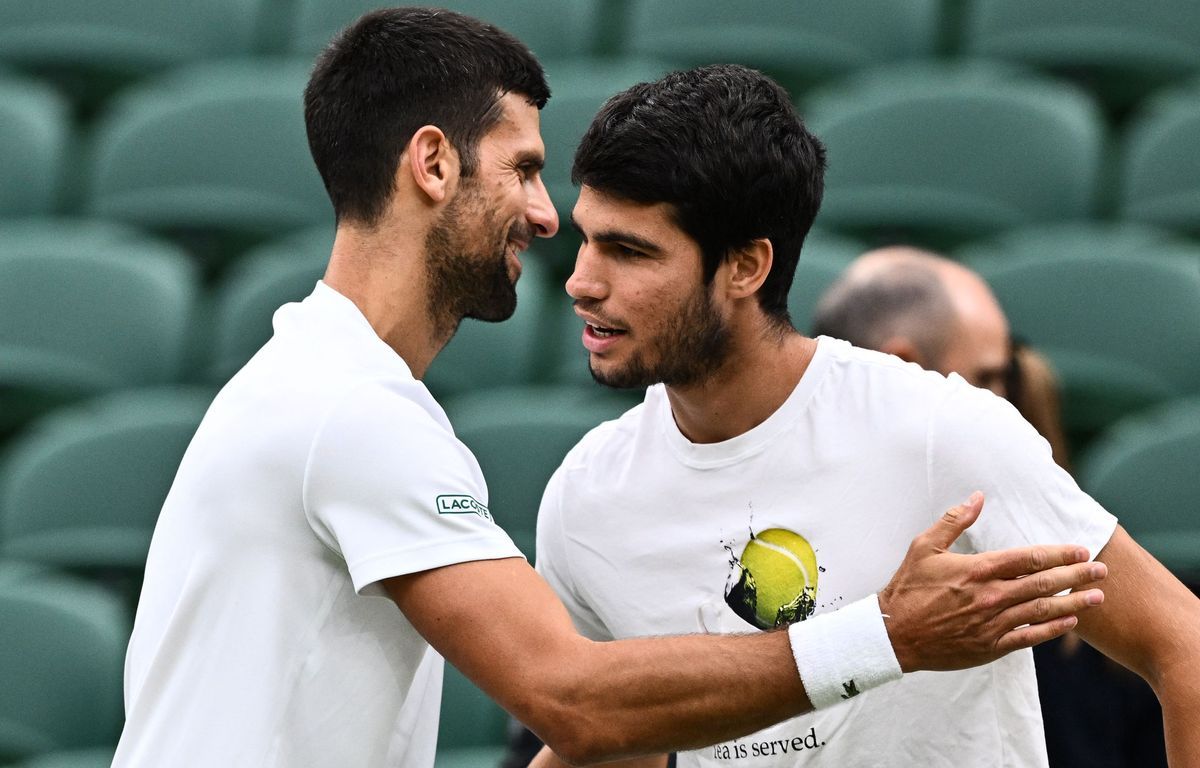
column 553, row 560
column 978, row 441
column 393, row 491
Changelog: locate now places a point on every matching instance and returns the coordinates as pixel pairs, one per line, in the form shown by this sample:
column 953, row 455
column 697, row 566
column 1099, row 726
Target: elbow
column 581, row 746
column 574, row 728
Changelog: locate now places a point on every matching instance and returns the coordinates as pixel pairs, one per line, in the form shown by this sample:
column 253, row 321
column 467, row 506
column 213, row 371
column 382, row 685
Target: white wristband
column 843, row 653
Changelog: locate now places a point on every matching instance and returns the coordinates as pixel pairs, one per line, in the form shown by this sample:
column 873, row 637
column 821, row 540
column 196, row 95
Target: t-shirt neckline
column 735, row 449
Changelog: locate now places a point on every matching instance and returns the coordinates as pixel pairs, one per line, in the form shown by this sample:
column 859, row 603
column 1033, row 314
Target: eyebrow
column 617, row 236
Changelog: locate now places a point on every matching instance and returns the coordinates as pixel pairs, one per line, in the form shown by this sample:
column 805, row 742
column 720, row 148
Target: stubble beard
column 466, row 279
column 693, row 345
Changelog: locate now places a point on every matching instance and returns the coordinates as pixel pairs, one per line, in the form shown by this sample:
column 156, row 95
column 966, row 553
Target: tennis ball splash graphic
column 774, row 582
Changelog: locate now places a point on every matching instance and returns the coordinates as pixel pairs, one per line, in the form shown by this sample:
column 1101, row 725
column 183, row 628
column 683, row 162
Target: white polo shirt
column 263, row 637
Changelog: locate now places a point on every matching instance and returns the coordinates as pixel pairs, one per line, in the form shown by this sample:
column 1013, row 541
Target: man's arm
column 1150, row 623
column 501, row 624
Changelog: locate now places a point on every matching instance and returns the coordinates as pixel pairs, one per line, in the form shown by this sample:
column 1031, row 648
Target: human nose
column 586, row 280
column 541, row 213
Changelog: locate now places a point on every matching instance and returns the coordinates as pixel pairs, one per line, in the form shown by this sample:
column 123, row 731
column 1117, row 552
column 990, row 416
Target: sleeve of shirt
column 978, row 441
column 553, row 560
column 392, row 491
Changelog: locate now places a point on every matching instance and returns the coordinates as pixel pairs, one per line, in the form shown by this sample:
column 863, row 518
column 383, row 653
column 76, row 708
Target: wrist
column 843, row 653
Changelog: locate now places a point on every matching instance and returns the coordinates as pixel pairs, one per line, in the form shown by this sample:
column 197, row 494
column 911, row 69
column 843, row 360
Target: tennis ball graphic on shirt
column 774, row 582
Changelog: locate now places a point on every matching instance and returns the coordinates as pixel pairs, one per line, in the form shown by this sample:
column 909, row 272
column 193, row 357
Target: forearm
column 632, row 697
column 1181, row 714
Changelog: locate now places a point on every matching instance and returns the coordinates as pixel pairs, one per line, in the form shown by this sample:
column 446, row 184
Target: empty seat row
column 219, row 151
column 1119, row 49
column 92, row 306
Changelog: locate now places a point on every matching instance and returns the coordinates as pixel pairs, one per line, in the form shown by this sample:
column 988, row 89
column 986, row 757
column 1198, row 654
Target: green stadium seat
column 471, row 730
column 580, row 89
column 61, row 662
column 93, row 48
column 123, row 36
column 1122, row 330
column 520, row 436
column 1161, row 183
column 217, row 148
column 51, row 235
column 1143, row 470
column 34, row 135
column 1079, row 239
column 99, row 757
column 256, row 285
column 1117, row 50
column 83, row 487
column 799, row 42
column 938, row 154
column 822, row 260
column 551, row 28
column 77, row 319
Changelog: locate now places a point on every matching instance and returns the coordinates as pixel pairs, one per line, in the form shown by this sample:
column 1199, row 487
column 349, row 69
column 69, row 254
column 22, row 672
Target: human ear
column 432, row 163
column 748, row 267
column 903, row 348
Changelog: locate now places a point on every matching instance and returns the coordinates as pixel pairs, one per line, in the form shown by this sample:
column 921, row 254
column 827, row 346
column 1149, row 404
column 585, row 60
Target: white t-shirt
column 642, row 532
column 263, row 637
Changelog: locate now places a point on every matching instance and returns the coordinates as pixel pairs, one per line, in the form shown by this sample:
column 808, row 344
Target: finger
column 951, row 525
column 1043, row 609
column 1055, row 580
column 1023, row 561
column 1029, row 636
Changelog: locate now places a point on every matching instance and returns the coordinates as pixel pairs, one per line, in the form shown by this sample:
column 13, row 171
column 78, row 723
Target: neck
column 760, row 372
column 382, row 270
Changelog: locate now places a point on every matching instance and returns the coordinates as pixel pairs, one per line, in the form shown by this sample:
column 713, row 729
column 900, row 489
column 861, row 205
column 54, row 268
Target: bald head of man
column 922, row 308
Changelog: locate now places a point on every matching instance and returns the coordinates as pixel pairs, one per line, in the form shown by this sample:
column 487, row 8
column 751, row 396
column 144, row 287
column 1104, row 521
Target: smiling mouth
column 601, row 332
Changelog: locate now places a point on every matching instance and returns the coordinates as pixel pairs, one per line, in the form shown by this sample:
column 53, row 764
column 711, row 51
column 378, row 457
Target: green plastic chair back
column 1079, row 239
column 124, row 36
column 580, row 89
column 551, row 28
column 83, row 487
column 259, row 283
column 822, row 260
column 212, row 147
column 1122, row 331
column 797, row 41
column 1162, row 167
column 62, row 649
column 50, row 235
column 469, row 719
column 99, row 757
column 1118, row 50
column 34, row 131
column 77, row 320
column 1144, row 471
column 954, row 151
column 520, row 436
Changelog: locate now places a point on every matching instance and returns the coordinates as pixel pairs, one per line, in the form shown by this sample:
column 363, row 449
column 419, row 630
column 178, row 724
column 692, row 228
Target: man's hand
column 949, row 611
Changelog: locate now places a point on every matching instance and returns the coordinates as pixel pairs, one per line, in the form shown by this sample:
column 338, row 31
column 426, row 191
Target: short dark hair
column 395, row 70
column 723, row 146
column 907, row 300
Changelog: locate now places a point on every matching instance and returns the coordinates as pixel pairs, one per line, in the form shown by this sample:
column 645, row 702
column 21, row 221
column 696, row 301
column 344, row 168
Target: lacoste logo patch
column 462, row 505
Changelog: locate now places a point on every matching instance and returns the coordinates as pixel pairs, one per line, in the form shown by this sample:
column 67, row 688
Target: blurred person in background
column 929, row 310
